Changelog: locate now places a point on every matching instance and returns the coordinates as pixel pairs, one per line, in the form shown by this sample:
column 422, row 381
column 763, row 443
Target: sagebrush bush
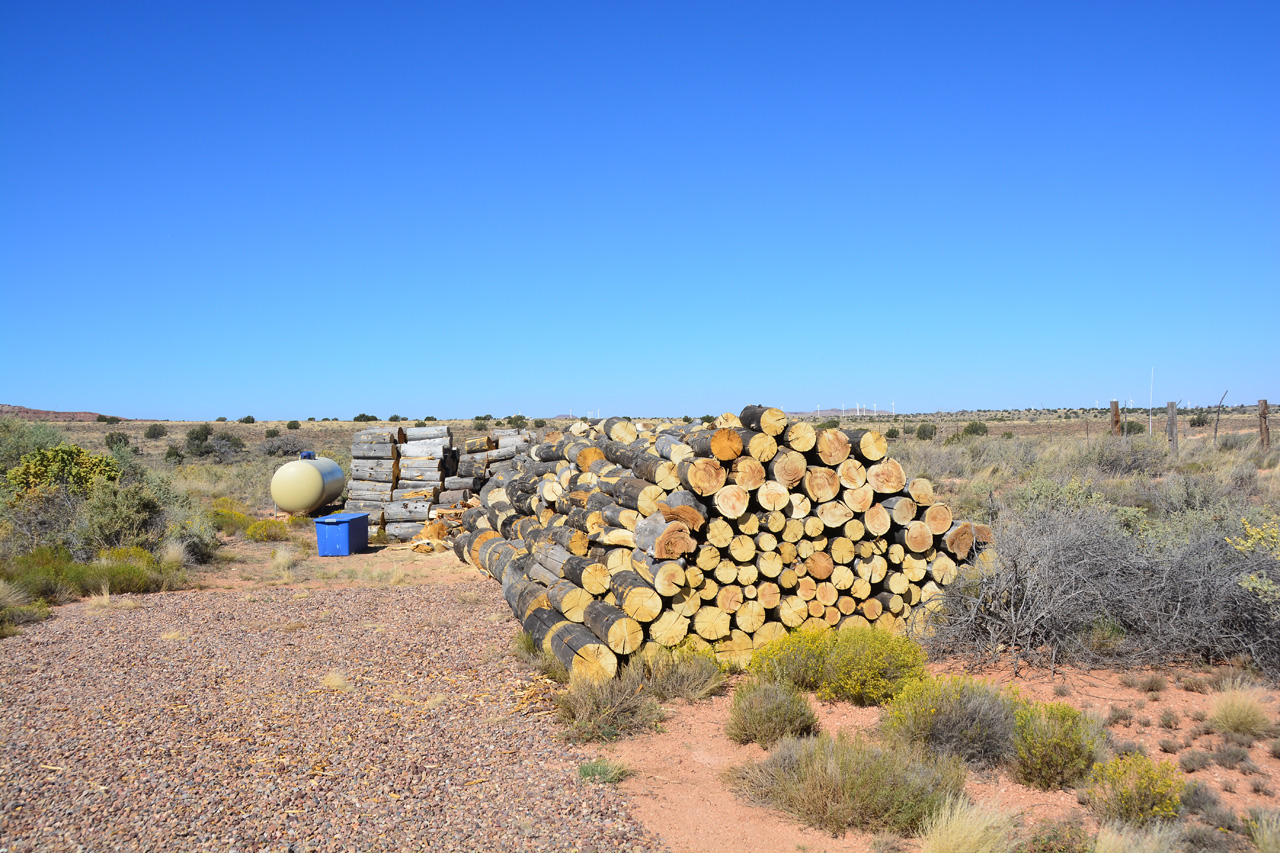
column 293, row 425
column 272, row 432
column 1055, row 746
column 963, row 827
column 956, row 715
column 864, row 666
column 156, row 431
column 608, row 710
column 268, row 530
column 1134, row 789
column 1240, row 712
column 116, row 440
column 764, row 712
column 926, row 432
column 835, row 783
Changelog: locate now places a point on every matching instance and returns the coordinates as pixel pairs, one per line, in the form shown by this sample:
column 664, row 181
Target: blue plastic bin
column 342, row 534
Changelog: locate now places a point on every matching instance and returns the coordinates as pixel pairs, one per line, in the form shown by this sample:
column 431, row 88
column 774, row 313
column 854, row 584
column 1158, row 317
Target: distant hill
column 7, row 411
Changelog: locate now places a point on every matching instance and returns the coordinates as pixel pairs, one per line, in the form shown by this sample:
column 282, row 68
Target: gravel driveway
column 198, row 721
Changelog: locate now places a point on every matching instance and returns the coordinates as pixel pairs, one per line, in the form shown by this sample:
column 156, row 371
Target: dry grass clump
column 173, row 635
column 337, row 682
column 764, row 712
column 682, row 673
column 957, row 716
column 1240, row 712
column 105, row 601
column 1264, row 832
column 843, row 782
column 608, row 710
column 1053, row 836
column 962, row 827
column 1128, row 839
column 603, row 770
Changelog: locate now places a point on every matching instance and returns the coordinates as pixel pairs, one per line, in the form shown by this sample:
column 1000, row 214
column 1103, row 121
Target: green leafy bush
column 539, row 423
column 116, row 440
column 221, row 420
column 362, row 418
column 1055, row 745
column 66, row 465
column 835, row 783
column 517, row 421
column 926, row 432
column 156, row 431
column 1134, row 789
column 108, row 419
column 19, row 437
column 974, row 428
column 272, row 433
column 1200, row 419
column 229, row 517
column 268, row 530
column 200, row 433
column 1133, row 428
column 864, row 666
column 293, row 425
column 958, row 716
column 174, row 455
column 429, row 418
column 764, row 712
column 395, row 419
column 247, row 419
column 832, row 423
column 122, row 516
column 891, row 432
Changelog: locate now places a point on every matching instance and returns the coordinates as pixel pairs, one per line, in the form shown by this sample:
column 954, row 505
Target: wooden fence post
column 1264, row 430
column 1115, row 417
column 1172, row 428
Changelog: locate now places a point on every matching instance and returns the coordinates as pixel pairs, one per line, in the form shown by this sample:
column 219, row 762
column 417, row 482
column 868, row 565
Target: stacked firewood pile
column 727, row 535
column 399, row 475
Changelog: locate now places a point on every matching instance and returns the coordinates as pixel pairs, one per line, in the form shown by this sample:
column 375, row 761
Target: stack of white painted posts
column 398, row 476
column 721, row 535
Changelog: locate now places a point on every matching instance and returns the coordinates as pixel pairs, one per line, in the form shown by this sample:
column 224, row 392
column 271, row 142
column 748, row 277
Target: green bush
column 65, row 465
column 1134, row 789
column 247, row 419
column 764, row 712
column 835, row 783
column 429, row 418
column 958, row 716
column 926, row 432
column 539, row 423
column 293, row 425
column 832, row 423
column 272, row 433
column 200, row 433
column 608, row 710
column 221, row 420
column 706, row 419
column 362, row 418
column 229, row 517
column 395, row 419
column 268, row 530
column 974, row 428
column 1200, row 419
column 864, row 666
column 116, row 515
column 108, row 419
column 604, row 771
column 19, row 437
column 174, row 455
column 891, row 432
column 1134, row 428
column 115, row 440
column 1055, row 745
column 156, row 431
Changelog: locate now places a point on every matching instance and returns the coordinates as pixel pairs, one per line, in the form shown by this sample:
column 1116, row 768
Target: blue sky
column 318, row 209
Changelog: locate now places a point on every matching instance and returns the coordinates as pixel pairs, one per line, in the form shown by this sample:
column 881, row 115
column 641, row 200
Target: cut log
column 686, row 602
column 757, row 445
column 800, row 436
column 938, row 517
column 570, row 599
column 671, row 447
column 711, row 623
column 901, row 509
column 669, row 629
column 719, row 532
column 731, row 500
column 729, row 598
column 877, row 520
column 750, row 616
column 887, row 477
column 961, row 538
column 821, row 484
column 787, row 467
column 582, row 653
column 792, row 611
column 772, row 422
column 773, row 496
column 916, row 536
column 657, row 470
column 702, row 476
column 921, row 491
column 819, row 565
column 742, row 548
column 747, row 473
column 637, row 598
column 722, row 444
column 768, row 594
column 748, row 524
column 769, row 564
column 834, row 514
column 620, row 632
column 799, row 506
column 832, row 447
column 640, row 495
column 735, row 651
column 869, row 445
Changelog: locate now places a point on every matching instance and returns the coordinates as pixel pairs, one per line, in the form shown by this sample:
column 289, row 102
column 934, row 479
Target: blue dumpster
column 342, row 534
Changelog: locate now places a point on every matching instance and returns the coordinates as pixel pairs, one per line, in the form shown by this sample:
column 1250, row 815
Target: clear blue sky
column 317, row 209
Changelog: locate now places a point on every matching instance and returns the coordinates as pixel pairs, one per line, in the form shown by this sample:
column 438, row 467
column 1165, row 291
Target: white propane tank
column 307, row 484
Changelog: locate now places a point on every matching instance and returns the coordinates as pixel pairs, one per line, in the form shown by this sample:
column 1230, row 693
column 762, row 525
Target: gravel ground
column 198, row 721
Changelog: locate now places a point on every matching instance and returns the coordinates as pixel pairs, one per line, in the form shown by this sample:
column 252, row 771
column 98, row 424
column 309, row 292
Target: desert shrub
column 1168, row 719
column 395, row 419
column 958, row 716
column 1133, row 427
column 608, row 710
column 683, row 673
column 1240, row 712
column 962, row 827
column 429, row 418
column 200, row 433
column 268, row 530
column 832, row 423
column 156, row 431
column 1057, row 573
column 604, row 771
column 363, row 418
column 19, row 437
column 835, row 783
column 1274, row 748
column 1133, row 839
column 108, row 419
column 1006, row 434
column 115, row 440
column 764, row 712
column 293, row 425
column 287, row 445
column 222, row 419
column 1057, row 836
column 892, row 432
column 229, row 517
column 271, row 433
column 518, row 421
column 864, row 666
column 539, row 423
column 247, row 419
column 926, row 432
column 1230, row 755
column 1055, row 745
column 67, row 465
column 116, row 515
column 1134, row 789
column 974, row 428
column 1199, row 419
